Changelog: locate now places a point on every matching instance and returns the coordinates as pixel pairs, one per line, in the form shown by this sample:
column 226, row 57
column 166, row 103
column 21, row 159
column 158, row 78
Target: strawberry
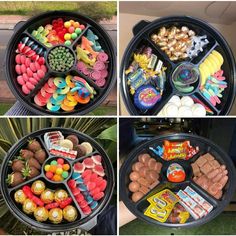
column 33, row 145
column 17, row 165
column 40, row 155
column 26, row 154
column 15, row 179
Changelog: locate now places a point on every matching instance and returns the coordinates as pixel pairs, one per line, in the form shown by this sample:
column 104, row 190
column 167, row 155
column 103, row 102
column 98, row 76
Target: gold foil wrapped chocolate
column 41, row 214
column 174, row 41
column 70, row 213
column 55, row 215
column 19, row 196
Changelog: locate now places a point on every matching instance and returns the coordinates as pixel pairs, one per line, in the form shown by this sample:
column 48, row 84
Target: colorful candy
column 57, row 172
column 58, row 32
column 29, row 66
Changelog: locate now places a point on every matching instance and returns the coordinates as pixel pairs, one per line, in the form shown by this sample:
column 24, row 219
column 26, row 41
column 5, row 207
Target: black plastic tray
column 25, row 29
column 83, row 221
column 142, row 32
column 205, row 145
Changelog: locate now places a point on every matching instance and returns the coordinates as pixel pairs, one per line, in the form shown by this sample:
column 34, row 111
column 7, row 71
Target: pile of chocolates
column 179, row 42
column 46, row 204
column 64, row 94
column 27, row 164
column 92, row 60
column 30, row 64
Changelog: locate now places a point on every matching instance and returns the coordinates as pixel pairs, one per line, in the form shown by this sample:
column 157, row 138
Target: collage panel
column 177, row 176
column 58, row 175
column 58, row 60
column 177, row 58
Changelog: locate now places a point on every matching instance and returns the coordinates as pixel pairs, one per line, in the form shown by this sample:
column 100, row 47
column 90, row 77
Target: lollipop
column 41, row 214
column 55, row 215
column 69, row 213
column 19, row 196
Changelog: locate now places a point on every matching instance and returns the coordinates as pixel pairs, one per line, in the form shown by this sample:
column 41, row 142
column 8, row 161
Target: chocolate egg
column 134, row 176
column 175, row 173
column 134, row 186
column 137, row 196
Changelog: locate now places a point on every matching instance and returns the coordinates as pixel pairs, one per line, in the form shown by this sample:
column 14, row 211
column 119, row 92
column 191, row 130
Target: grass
column 95, row 10
column 101, row 110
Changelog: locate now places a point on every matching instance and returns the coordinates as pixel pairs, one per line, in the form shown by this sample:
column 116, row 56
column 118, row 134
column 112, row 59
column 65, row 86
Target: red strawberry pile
column 87, row 183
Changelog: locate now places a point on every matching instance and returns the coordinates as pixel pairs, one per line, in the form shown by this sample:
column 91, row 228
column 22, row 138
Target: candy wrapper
column 175, row 150
column 161, row 205
column 178, row 215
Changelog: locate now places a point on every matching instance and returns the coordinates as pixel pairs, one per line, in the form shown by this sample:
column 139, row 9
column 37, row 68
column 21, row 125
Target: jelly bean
column 78, row 31
column 93, row 205
column 71, row 29
column 41, row 61
column 20, row 80
column 25, row 89
column 35, row 76
column 67, row 42
column 29, row 72
column 33, row 81
column 43, row 68
column 74, row 36
column 18, row 59
column 67, row 36
column 41, row 73
column 33, row 67
column 25, row 77
column 29, row 85
column 23, row 68
column 18, row 69
column 82, row 27
column 67, row 24
column 98, row 196
column 27, row 62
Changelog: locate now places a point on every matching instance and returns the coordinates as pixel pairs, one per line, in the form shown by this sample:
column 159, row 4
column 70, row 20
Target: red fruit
column 37, row 201
column 60, row 161
column 49, row 175
column 98, row 196
column 27, row 191
column 97, row 159
column 71, row 183
column 86, row 173
column 79, row 167
column 98, row 169
column 65, row 202
column 94, row 191
column 88, row 162
column 52, row 205
column 75, row 191
column 102, row 186
column 91, row 186
column 83, row 204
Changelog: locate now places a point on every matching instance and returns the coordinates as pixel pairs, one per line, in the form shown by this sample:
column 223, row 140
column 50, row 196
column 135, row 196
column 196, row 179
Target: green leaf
column 5, row 144
column 110, row 134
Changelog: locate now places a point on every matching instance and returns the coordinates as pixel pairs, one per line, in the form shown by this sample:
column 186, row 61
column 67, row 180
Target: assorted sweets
column 57, row 178
column 61, row 65
column 46, row 204
column 171, row 178
column 158, row 85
